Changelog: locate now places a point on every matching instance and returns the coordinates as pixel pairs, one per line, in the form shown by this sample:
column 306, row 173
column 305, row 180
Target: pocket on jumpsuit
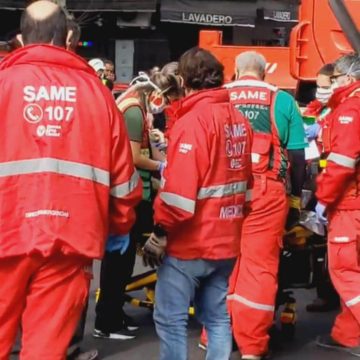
column 342, row 238
column 260, row 151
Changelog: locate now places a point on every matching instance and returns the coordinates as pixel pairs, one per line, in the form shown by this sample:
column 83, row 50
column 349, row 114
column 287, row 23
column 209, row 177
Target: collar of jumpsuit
column 343, row 93
column 207, row 96
column 45, row 54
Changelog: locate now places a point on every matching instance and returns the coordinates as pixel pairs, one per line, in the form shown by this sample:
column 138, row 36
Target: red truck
column 324, row 32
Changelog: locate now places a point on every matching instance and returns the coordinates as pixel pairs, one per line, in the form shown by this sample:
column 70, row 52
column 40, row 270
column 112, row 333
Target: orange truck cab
column 326, row 30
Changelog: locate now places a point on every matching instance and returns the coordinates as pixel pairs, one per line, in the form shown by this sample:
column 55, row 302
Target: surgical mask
column 334, row 86
column 155, row 109
column 323, row 95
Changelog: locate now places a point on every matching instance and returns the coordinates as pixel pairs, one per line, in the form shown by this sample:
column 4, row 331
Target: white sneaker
column 123, row 334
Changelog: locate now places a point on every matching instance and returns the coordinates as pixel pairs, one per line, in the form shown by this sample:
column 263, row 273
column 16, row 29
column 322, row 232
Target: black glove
column 293, row 217
column 154, row 250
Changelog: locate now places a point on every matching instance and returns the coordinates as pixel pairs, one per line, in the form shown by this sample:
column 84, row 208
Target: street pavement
column 145, row 346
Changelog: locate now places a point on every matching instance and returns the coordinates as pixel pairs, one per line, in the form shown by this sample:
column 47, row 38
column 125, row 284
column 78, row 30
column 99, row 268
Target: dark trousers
column 116, row 271
column 325, row 289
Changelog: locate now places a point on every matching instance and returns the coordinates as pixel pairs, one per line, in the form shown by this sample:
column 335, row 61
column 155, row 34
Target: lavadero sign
column 209, row 12
column 207, row 19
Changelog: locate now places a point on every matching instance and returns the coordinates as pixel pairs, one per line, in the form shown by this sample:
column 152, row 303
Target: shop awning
column 278, row 10
column 279, row 15
column 93, row 5
column 112, row 5
column 12, row 4
column 209, row 12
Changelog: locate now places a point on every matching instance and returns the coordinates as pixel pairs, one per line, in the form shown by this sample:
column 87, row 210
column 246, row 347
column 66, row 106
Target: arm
column 135, row 125
column 158, row 145
column 140, row 160
column 342, row 160
column 185, row 170
column 125, row 184
column 292, row 136
column 297, row 171
column 157, row 154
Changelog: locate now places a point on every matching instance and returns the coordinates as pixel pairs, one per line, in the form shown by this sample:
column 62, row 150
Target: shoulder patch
column 345, row 119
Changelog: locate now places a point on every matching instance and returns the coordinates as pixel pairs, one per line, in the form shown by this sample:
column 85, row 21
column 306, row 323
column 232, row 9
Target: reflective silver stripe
column 219, row 191
column 248, row 195
column 122, row 190
column 342, row 160
column 63, row 167
column 251, row 304
column 178, row 201
column 249, row 83
column 353, row 301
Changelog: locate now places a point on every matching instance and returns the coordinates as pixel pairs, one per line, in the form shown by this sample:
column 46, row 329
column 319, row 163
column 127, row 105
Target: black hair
column 200, row 69
column 108, row 62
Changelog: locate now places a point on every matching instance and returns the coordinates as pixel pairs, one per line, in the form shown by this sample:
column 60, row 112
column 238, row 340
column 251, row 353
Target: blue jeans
column 203, row 282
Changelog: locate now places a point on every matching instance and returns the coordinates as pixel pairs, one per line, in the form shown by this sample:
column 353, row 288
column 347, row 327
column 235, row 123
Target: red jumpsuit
column 66, row 180
column 253, row 284
column 338, row 187
column 207, row 179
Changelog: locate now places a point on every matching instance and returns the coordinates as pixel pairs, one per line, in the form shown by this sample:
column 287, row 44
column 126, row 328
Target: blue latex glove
column 320, row 210
column 312, row 131
column 162, row 166
column 118, row 243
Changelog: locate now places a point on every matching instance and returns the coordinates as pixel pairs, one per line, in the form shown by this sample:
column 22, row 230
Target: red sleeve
column 250, row 184
column 314, row 108
column 342, row 160
column 187, row 163
column 126, row 186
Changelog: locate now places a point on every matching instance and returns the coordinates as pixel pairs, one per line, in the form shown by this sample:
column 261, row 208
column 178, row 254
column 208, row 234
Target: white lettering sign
column 49, row 93
column 185, row 148
column 48, row 130
column 234, row 130
column 248, row 95
column 281, row 15
column 46, row 212
column 207, row 18
column 230, row 212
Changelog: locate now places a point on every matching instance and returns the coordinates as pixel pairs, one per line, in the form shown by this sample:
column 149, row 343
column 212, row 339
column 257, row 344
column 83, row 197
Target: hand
column 157, row 139
column 154, row 250
column 312, row 131
column 320, row 210
column 293, row 216
column 156, row 136
column 118, row 243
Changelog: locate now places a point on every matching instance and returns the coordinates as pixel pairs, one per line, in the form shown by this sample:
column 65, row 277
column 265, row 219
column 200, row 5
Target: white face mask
column 334, row 86
column 324, row 95
column 156, row 109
